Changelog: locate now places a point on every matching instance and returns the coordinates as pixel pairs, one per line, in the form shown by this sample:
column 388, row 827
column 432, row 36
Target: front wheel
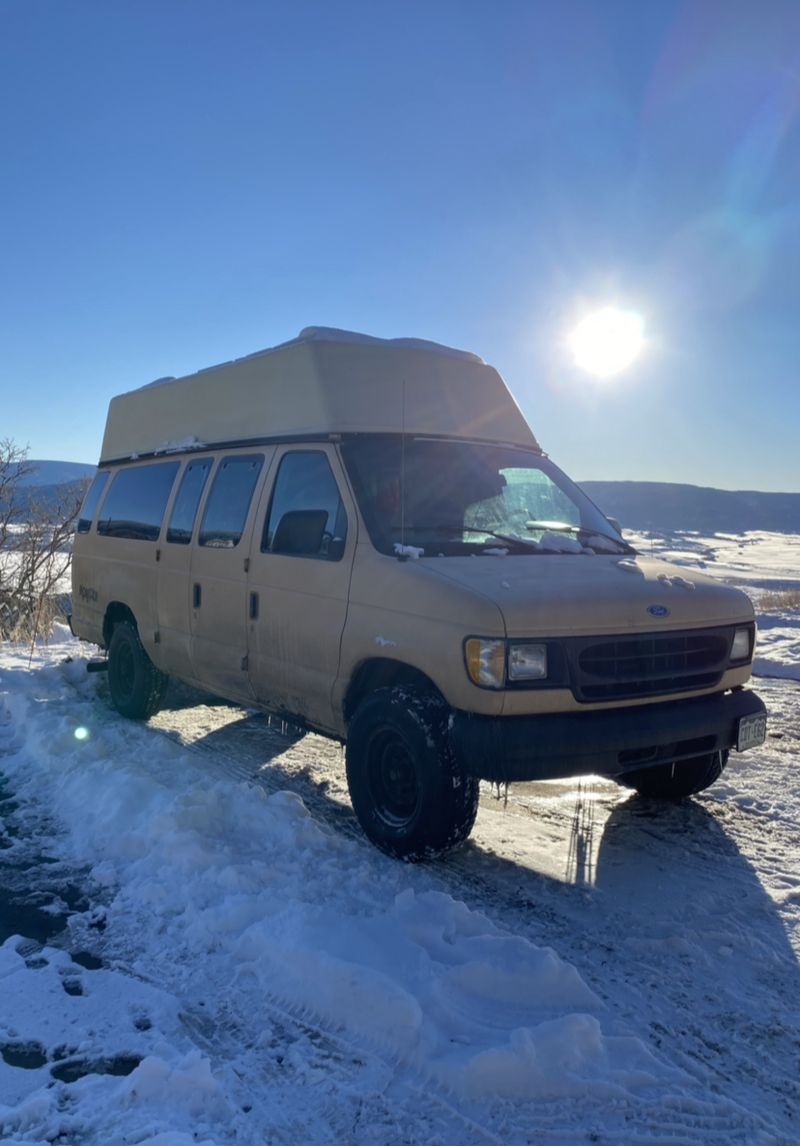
column 677, row 780
column 411, row 796
column 137, row 687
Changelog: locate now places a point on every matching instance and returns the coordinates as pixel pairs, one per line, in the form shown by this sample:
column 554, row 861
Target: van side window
column 184, row 511
column 306, row 516
column 226, row 509
column 134, row 507
column 91, row 501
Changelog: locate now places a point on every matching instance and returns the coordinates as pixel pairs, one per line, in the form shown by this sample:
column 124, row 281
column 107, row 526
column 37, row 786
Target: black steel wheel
column 136, row 686
column 411, row 796
column 392, row 777
column 678, row 780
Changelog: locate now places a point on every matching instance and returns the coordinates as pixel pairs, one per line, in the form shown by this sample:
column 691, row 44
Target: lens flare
column 81, row 733
column 607, row 341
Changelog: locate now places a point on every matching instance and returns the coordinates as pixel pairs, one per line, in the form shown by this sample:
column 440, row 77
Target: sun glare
column 607, row 341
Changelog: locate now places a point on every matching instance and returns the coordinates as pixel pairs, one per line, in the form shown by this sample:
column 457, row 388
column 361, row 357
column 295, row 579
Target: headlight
column 527, row 662
column 486, row 662
column 742, row 645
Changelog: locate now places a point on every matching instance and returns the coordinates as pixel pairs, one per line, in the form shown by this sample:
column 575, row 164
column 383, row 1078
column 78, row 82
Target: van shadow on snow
column 665, row 863
column 706, row 934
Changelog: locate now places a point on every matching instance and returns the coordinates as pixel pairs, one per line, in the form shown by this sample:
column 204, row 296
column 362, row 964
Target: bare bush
column 35, row 548
column 780, row 599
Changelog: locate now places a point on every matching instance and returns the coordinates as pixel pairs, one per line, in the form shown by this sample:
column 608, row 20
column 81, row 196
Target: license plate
column 752, row 732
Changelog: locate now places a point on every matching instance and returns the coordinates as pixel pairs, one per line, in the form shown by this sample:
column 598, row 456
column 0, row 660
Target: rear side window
column 134, row 507
column 184, row 511
column 226, row 509
column 306, row 516
column 91, row 501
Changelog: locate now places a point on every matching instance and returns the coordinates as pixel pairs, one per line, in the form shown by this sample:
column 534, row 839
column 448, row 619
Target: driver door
column 298, row 583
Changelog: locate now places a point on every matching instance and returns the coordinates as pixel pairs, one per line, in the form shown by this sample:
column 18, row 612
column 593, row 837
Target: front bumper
column 607, row 743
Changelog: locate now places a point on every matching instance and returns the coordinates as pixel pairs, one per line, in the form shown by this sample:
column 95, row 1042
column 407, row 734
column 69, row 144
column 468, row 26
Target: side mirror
column 613, row 521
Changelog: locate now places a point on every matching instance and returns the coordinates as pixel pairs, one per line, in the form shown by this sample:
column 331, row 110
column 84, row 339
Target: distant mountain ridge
column 48, row 487
column 55, row 473
column 667, row 506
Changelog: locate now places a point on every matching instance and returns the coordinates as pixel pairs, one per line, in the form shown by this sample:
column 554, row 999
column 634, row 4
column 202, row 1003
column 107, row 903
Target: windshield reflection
column 454, row 498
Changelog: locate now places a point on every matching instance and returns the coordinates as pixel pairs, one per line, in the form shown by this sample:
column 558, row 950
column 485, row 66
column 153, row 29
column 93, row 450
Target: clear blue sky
column 184, row 182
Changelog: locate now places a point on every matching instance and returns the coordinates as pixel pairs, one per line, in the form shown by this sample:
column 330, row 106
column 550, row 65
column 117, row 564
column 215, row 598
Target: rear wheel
column 412, row 798
column 675, row 781
column 137, row 687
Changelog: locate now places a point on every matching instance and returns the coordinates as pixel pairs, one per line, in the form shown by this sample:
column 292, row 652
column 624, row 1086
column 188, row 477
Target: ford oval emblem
column 658, row 610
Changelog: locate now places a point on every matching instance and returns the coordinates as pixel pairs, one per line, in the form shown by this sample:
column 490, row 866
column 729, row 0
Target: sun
column 606, row 341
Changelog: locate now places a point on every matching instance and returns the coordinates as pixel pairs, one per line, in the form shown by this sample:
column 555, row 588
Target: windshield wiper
column 562, row 527
column 523, row 544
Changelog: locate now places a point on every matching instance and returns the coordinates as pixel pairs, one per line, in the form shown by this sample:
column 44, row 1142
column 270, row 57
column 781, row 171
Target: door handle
column 196, row 595
column 253, row 606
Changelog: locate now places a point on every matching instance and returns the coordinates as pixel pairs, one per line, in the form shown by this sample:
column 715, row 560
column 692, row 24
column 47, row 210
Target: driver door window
column 306, row 516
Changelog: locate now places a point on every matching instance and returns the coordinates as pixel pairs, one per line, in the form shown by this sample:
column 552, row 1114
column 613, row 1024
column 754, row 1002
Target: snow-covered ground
column 51, row 569
column 197, row 945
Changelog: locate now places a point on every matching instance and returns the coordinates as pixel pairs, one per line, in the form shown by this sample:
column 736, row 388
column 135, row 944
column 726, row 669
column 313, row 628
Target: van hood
column 562, row 595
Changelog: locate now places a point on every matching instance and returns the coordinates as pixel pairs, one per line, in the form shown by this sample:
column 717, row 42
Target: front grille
column 653, row 665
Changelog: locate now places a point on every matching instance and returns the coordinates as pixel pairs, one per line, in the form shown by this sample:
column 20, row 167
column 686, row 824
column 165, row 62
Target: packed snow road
column 199, row 946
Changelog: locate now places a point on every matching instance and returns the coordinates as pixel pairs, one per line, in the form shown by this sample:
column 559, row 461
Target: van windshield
column 452, row 498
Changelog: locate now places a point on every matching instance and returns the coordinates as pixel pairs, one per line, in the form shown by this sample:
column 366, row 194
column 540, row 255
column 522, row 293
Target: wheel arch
column 116, row 611
column 383, row 672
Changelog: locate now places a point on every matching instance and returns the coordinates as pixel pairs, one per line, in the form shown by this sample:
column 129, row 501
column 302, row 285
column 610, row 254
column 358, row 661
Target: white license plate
column 752, row 732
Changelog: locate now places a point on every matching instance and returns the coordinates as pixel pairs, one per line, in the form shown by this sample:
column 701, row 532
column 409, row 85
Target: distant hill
column 49, row 486
column 666, row 507
column 48, row 499
column 55, row 473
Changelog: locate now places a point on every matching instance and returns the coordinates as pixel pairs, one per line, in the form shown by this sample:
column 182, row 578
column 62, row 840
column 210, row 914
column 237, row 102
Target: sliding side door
column 218, row 578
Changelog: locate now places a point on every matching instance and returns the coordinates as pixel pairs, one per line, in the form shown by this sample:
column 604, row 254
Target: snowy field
column 198, row 947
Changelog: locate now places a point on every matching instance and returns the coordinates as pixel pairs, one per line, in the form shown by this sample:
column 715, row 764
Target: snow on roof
column 333, row 334
column 158, row 381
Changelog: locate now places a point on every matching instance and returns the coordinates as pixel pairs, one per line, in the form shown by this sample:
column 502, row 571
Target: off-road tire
column 410, row 794
column 678, row 780
column 136, row 686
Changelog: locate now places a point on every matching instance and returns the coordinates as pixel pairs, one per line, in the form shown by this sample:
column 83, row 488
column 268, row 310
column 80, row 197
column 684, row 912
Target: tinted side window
column 229, row 501
column 91, row 502
column 134, row 507
column 306, row 516
column 184, row 511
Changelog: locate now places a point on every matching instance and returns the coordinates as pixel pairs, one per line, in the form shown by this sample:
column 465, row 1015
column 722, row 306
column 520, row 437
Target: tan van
column 365, row 536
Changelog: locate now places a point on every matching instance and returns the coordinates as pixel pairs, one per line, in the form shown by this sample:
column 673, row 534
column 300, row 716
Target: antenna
column 403, row 468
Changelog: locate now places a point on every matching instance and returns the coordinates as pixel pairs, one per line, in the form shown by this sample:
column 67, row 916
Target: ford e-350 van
column 364, row 536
